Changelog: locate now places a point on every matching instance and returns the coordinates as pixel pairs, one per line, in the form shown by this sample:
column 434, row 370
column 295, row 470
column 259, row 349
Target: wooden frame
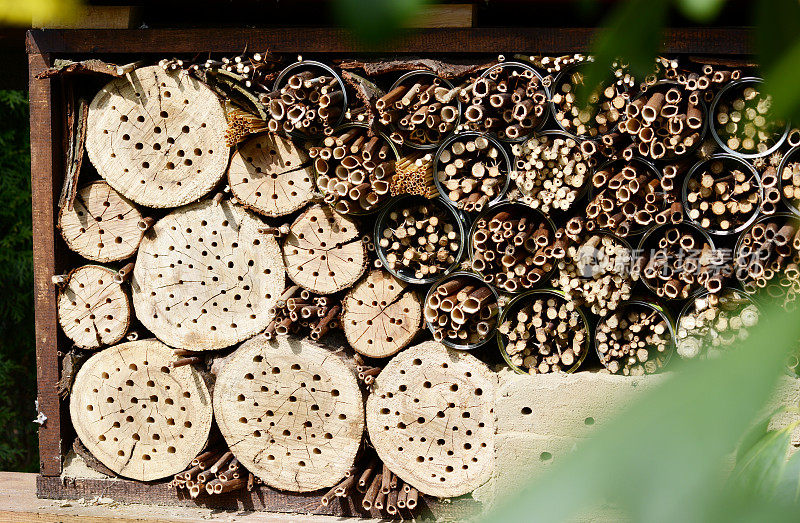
column 50, row 254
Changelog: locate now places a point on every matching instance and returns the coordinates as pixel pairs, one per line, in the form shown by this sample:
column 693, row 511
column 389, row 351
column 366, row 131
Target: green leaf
column 782, row 80
column 633, row 34
column 761, row 467
column 663, row 459
column 755, row 434
column 700, row 10
column 376, row 22
column 777, row 24
column 788, row 486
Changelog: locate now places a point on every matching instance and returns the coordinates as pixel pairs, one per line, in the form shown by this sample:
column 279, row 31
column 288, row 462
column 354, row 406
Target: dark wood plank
column 45, row 169
column 726, row 41
column 262, row 498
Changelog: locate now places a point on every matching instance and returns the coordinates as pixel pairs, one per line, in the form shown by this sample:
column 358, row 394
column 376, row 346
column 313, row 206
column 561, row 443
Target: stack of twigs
column 215, row 471
column 462, row 310
column 634, row 341
column 298, row 311
column 311, row 102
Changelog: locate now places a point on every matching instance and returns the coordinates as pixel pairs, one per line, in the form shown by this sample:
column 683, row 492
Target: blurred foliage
column 664, row 458
column 18, row 443
column 21, row 12
column 375, row 22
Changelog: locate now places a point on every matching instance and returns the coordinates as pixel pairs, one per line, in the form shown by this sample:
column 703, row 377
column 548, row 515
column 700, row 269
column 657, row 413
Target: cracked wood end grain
column 138, row 416
column 291, row 412
column 93, row 310
column 381, row 315
column 205, row 278
column 271, row 175
column 102, row 225
column 323, row 251
column 158, row 138
column 431, row 420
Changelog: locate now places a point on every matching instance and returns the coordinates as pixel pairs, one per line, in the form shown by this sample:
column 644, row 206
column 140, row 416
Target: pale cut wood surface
column 381, row 315
column 141, row 418
column 205, row 278
column 158, row 138
column 102, row 225
column 291, row 412
column 271, row 175
column 431, row 420
column 324, row 252
column 93, row 310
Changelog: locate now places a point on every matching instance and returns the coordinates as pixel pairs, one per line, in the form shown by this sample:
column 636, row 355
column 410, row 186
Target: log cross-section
column 138, row 415
column 324, row 252
column 291, row 412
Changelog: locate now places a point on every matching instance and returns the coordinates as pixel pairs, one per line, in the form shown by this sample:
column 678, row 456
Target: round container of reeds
column 471, row 171
column 666, row 121
column 722, row 194
column 711, row 323
column 542, row 331
column 510, row 247
column 789, row 180
column 461, row 311
column 636, row 339
column 354, row 168
column 421, row 109
column 625, row 196
column 742, row 120
column 509, row 100
column 309, row 98
column 551, row 170
column 679, row 260
column 419, row 240
column 767, row 260
column 604, row 108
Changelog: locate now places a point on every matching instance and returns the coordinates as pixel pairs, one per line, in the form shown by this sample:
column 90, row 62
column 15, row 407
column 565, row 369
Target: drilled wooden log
column 324, row 252
column 291, row 412
column 158, row 137
column 205, row 278
column 431, row 421
column 271, row 175
column 102, row 225
column 382, row 314
column 141, row 418
column 92, row 309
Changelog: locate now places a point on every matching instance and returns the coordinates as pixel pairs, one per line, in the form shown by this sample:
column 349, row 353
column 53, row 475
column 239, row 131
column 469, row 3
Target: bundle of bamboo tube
column 298, row 310
column 768, row 257
column 743, row 119
column 633, row 341
column 546, row 334
column 770, row 185
column 354, row 169
column 790, row 183
column 420, row 110
column 420, row 239
column 664, row 122
column 700, row 85
column 628, row 198
column 471, row 172
column 550, row 171
column 722, row 194
column 461, row 310
column 241, row 124
column 597, row 272
column 413, row 174
column 677, row 260
column 214, row 471
column 509, row 100
column 713, row 322
column 605, row 106
column 510, row 248
column 311, row 101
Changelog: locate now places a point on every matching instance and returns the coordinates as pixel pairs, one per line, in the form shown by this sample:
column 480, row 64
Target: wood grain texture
column 205, row 278
column 93, row 310
column 431, row 420
column 271, row 175
column 47, row 255
column 139, row 416
column 490, row 40
column 291, row 412
column 102, row 225
column 158, row 138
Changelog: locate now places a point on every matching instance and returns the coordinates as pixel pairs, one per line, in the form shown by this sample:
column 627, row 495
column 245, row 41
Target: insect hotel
column 296, row 279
